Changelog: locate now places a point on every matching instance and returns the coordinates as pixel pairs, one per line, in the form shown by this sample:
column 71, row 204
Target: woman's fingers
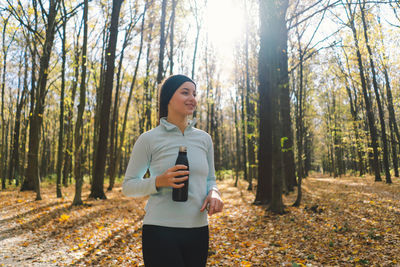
column 216, row 206
column 179, row 173
column 170, row 178
column 178, row 167
column 178, row 182
column 204, row 205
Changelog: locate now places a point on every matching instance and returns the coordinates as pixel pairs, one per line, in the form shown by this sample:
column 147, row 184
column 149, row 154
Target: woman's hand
column 214, row 203
column 167, row 179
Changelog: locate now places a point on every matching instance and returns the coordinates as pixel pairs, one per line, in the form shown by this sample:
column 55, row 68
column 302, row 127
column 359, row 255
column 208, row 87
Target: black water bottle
column 181, row 194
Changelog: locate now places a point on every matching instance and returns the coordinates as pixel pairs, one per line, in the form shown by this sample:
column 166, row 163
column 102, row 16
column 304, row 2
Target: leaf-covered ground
column 342, row 222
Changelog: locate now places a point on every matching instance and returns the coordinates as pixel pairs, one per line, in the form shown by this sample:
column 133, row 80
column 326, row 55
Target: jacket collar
column 170, row 126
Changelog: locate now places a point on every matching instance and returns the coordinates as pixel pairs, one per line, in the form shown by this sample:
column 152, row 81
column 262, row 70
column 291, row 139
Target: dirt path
column 341, row 222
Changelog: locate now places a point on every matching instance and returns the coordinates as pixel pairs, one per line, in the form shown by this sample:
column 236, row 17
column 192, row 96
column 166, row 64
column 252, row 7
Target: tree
column 160, row 72
column 377, row 95
column 13, row 170
column 60, row 154
column 367, row 100
column 97, row 190
column 171, row 38
column 79, row 120
column 272, row 29
column 36, row 119
column 5, row 49
column 113, row 166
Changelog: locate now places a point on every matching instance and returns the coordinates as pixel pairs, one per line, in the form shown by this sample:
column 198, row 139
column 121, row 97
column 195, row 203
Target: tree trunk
column 3, row 122
column 171, row 39
column 28, row 183
column 392, row 117
column 299, row 120
column 244, row 94
column 99, row 98
column 394, row 150
column 122, row 136
column 392, row 122
column 112, row 169
column 32, row 172
column 247, row 113
column 145, row 120
column 277, row 27
column 69, row 124
column 237, row 168
column 216, row 128
column 272, row 17
column 97, row 190
column 162, row 43
column 367, row 101
column 289, row 166
column 60, row 154
column 377, row 95
column 13, row 170
column 198, row 28
column 79, row 120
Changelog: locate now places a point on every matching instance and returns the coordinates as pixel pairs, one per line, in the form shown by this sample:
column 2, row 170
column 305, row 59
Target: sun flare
column 224, row 24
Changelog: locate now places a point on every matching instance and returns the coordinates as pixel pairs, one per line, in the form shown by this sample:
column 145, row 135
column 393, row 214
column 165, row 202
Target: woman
column 174, row 233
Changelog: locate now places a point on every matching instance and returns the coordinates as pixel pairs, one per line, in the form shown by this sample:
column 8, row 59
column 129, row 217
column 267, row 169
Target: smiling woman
column 175, row 233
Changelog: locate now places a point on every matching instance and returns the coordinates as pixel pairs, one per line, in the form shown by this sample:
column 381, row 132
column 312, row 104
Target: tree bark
column 394, row 150
column 122, row 135
column 97, row 190
column 79, row 120
column 392, row 122
column 60, row 154
column 112, row 169
column 250, row 109
column 273, row 23
column 244, row 93
column 3, row 155
column 392, row 117
column 162, row 43
column 145, row 120
column 198, row 28
column 377, row 95
column 367, row 101
column 69, row 124
column 32, row 172
column 13, row 170
column 237, row 167
column 289, row 166
column 277, row 28
column 171, row 38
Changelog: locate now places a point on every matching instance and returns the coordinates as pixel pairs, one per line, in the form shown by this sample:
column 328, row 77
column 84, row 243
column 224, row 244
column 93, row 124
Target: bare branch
column 336, row 3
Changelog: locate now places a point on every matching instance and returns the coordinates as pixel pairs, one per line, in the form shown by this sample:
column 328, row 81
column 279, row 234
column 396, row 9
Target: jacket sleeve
column 211, row 183
column 134, row 185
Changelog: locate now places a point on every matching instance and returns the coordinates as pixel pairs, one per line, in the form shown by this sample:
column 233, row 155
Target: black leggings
column 175, row 247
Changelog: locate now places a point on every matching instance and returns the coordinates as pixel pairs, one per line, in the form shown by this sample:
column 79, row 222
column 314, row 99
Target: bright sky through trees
column 224, row 23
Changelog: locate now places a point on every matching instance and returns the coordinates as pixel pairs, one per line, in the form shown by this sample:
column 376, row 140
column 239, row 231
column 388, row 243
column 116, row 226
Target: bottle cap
column 182, row 149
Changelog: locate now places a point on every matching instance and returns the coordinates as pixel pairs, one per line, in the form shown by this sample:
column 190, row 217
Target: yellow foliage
column 63, row 218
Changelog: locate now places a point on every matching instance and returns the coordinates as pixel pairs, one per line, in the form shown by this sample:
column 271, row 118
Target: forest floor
column 348, row 221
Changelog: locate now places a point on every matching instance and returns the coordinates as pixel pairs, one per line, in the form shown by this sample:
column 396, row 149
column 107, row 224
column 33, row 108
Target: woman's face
column 183, row 102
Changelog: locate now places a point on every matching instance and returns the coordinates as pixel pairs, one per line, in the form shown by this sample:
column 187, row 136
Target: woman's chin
column 190, row 112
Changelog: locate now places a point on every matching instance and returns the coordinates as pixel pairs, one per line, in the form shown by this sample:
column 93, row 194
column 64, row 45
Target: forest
column 301, row 99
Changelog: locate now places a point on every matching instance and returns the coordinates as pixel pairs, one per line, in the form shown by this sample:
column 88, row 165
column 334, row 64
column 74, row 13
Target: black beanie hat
column 168, row 88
